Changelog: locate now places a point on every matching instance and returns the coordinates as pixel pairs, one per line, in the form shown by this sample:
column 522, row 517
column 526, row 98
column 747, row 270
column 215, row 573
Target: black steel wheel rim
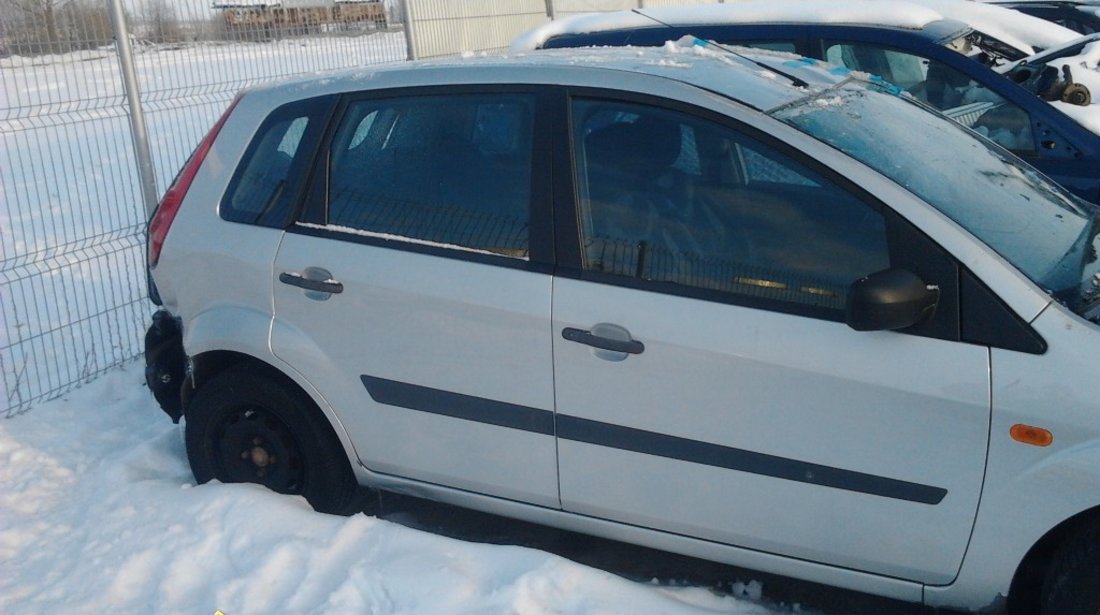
column 252, row 445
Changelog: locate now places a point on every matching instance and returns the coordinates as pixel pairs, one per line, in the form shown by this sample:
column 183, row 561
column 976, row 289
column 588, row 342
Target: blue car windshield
column 1044, row 231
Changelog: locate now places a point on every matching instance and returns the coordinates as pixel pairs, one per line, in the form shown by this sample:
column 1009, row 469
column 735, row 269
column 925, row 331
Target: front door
column 706, row 383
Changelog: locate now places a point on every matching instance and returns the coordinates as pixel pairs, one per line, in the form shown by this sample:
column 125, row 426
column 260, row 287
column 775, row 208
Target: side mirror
column 889, row 300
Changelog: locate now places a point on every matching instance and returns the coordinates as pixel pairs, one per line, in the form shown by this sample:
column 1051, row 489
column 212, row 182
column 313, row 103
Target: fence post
column 138, row 132
column 551, row 10
column 410, row 44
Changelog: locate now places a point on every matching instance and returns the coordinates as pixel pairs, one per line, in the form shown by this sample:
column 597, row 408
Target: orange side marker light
column 1028, row 434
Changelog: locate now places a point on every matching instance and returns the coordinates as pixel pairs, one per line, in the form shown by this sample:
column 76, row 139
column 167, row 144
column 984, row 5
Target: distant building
column 270, row 16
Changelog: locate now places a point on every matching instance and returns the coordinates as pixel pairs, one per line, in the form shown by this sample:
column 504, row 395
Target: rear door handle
column 603, row 343
column 327, row 285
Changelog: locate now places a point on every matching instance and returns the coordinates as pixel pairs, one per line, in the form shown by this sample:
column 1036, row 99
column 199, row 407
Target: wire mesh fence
column 449, row 27
column 72, row 221
column 72, row 279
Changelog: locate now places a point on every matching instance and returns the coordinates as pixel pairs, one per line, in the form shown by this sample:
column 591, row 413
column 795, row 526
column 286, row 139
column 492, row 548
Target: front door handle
column 323, row 285
column 603, row 343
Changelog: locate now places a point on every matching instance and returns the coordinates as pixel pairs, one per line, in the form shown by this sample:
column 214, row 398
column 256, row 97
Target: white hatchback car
column 745, row 307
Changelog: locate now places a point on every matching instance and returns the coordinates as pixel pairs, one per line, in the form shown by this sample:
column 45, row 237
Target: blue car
column 943, row 62
column 1078, row 15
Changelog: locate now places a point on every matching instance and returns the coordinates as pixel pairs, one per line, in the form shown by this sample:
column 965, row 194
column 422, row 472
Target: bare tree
column 38, row 17
column 86, row 24
column 395, row 9
column 161, row 22
column 54, row 26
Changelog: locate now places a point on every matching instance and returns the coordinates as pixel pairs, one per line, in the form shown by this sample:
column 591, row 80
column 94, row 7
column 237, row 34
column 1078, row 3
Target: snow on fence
column 73, row 299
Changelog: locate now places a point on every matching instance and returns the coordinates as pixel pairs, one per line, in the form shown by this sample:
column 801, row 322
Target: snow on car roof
column 892, row 14
column 1022, row 31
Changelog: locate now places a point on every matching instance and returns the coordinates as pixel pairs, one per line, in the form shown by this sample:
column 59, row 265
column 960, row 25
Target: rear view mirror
column 889, row 300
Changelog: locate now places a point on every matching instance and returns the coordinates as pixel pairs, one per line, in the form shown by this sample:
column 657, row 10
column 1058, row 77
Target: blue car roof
column 937, row 32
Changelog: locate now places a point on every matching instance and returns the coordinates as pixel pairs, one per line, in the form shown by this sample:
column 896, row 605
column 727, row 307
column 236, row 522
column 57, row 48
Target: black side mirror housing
column 890, row 300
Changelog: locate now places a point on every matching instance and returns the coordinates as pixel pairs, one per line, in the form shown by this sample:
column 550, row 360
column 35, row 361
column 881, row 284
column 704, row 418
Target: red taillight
column 173, row 198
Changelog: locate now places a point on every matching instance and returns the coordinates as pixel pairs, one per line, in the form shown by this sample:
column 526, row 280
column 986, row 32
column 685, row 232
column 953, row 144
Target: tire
column 246, row 426
column 1072, row 585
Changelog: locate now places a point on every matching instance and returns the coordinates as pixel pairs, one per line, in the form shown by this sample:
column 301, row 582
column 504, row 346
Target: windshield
column 1070, row 49
column 985, row 49
column 1038, row 227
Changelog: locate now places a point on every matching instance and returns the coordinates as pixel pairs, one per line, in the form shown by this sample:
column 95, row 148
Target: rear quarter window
column 269, row 177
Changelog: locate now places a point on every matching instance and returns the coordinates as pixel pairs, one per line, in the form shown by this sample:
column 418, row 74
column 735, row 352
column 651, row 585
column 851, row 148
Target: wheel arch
column 1028, row 580
column 207, row 365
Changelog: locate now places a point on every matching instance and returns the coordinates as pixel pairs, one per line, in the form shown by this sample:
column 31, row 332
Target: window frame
column 312, row 216
column 724, row 34
column 907, row 247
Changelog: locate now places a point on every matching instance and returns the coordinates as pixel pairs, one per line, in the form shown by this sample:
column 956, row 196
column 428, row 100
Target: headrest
column 647, row 145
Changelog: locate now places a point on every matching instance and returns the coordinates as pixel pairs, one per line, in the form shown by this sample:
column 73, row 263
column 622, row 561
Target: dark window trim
column 987, row 321
column 423, row 248
column 656, row 36
column 704, row 294
column 911, row 249
column 567, row 244
column 314, row 209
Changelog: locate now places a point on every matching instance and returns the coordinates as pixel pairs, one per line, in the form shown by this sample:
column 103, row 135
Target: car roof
column 887, row 14
column 925, row 18
column 757, row 78
column 1043, row 2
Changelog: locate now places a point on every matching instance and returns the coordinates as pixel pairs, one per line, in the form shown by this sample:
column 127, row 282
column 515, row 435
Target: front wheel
column 245, row 426
column 1072, row 585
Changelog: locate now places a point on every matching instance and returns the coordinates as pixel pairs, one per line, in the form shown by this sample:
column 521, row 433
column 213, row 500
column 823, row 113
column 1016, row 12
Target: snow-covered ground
column 99, row 514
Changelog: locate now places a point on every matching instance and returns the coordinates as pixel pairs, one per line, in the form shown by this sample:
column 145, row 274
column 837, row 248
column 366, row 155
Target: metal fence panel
column 654, row 3
column 449, row 27
column 564, row 8
column 72, row 280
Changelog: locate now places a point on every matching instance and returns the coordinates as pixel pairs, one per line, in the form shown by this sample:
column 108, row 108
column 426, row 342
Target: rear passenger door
column 706, row 382
column 414, row 289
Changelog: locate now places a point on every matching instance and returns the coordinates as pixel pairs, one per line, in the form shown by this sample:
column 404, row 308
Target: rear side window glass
column 269, row 176
column 453, row 171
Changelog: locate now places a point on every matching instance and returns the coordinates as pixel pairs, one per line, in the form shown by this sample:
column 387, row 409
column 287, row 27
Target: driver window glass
column 944, row 88
column 670, row 198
